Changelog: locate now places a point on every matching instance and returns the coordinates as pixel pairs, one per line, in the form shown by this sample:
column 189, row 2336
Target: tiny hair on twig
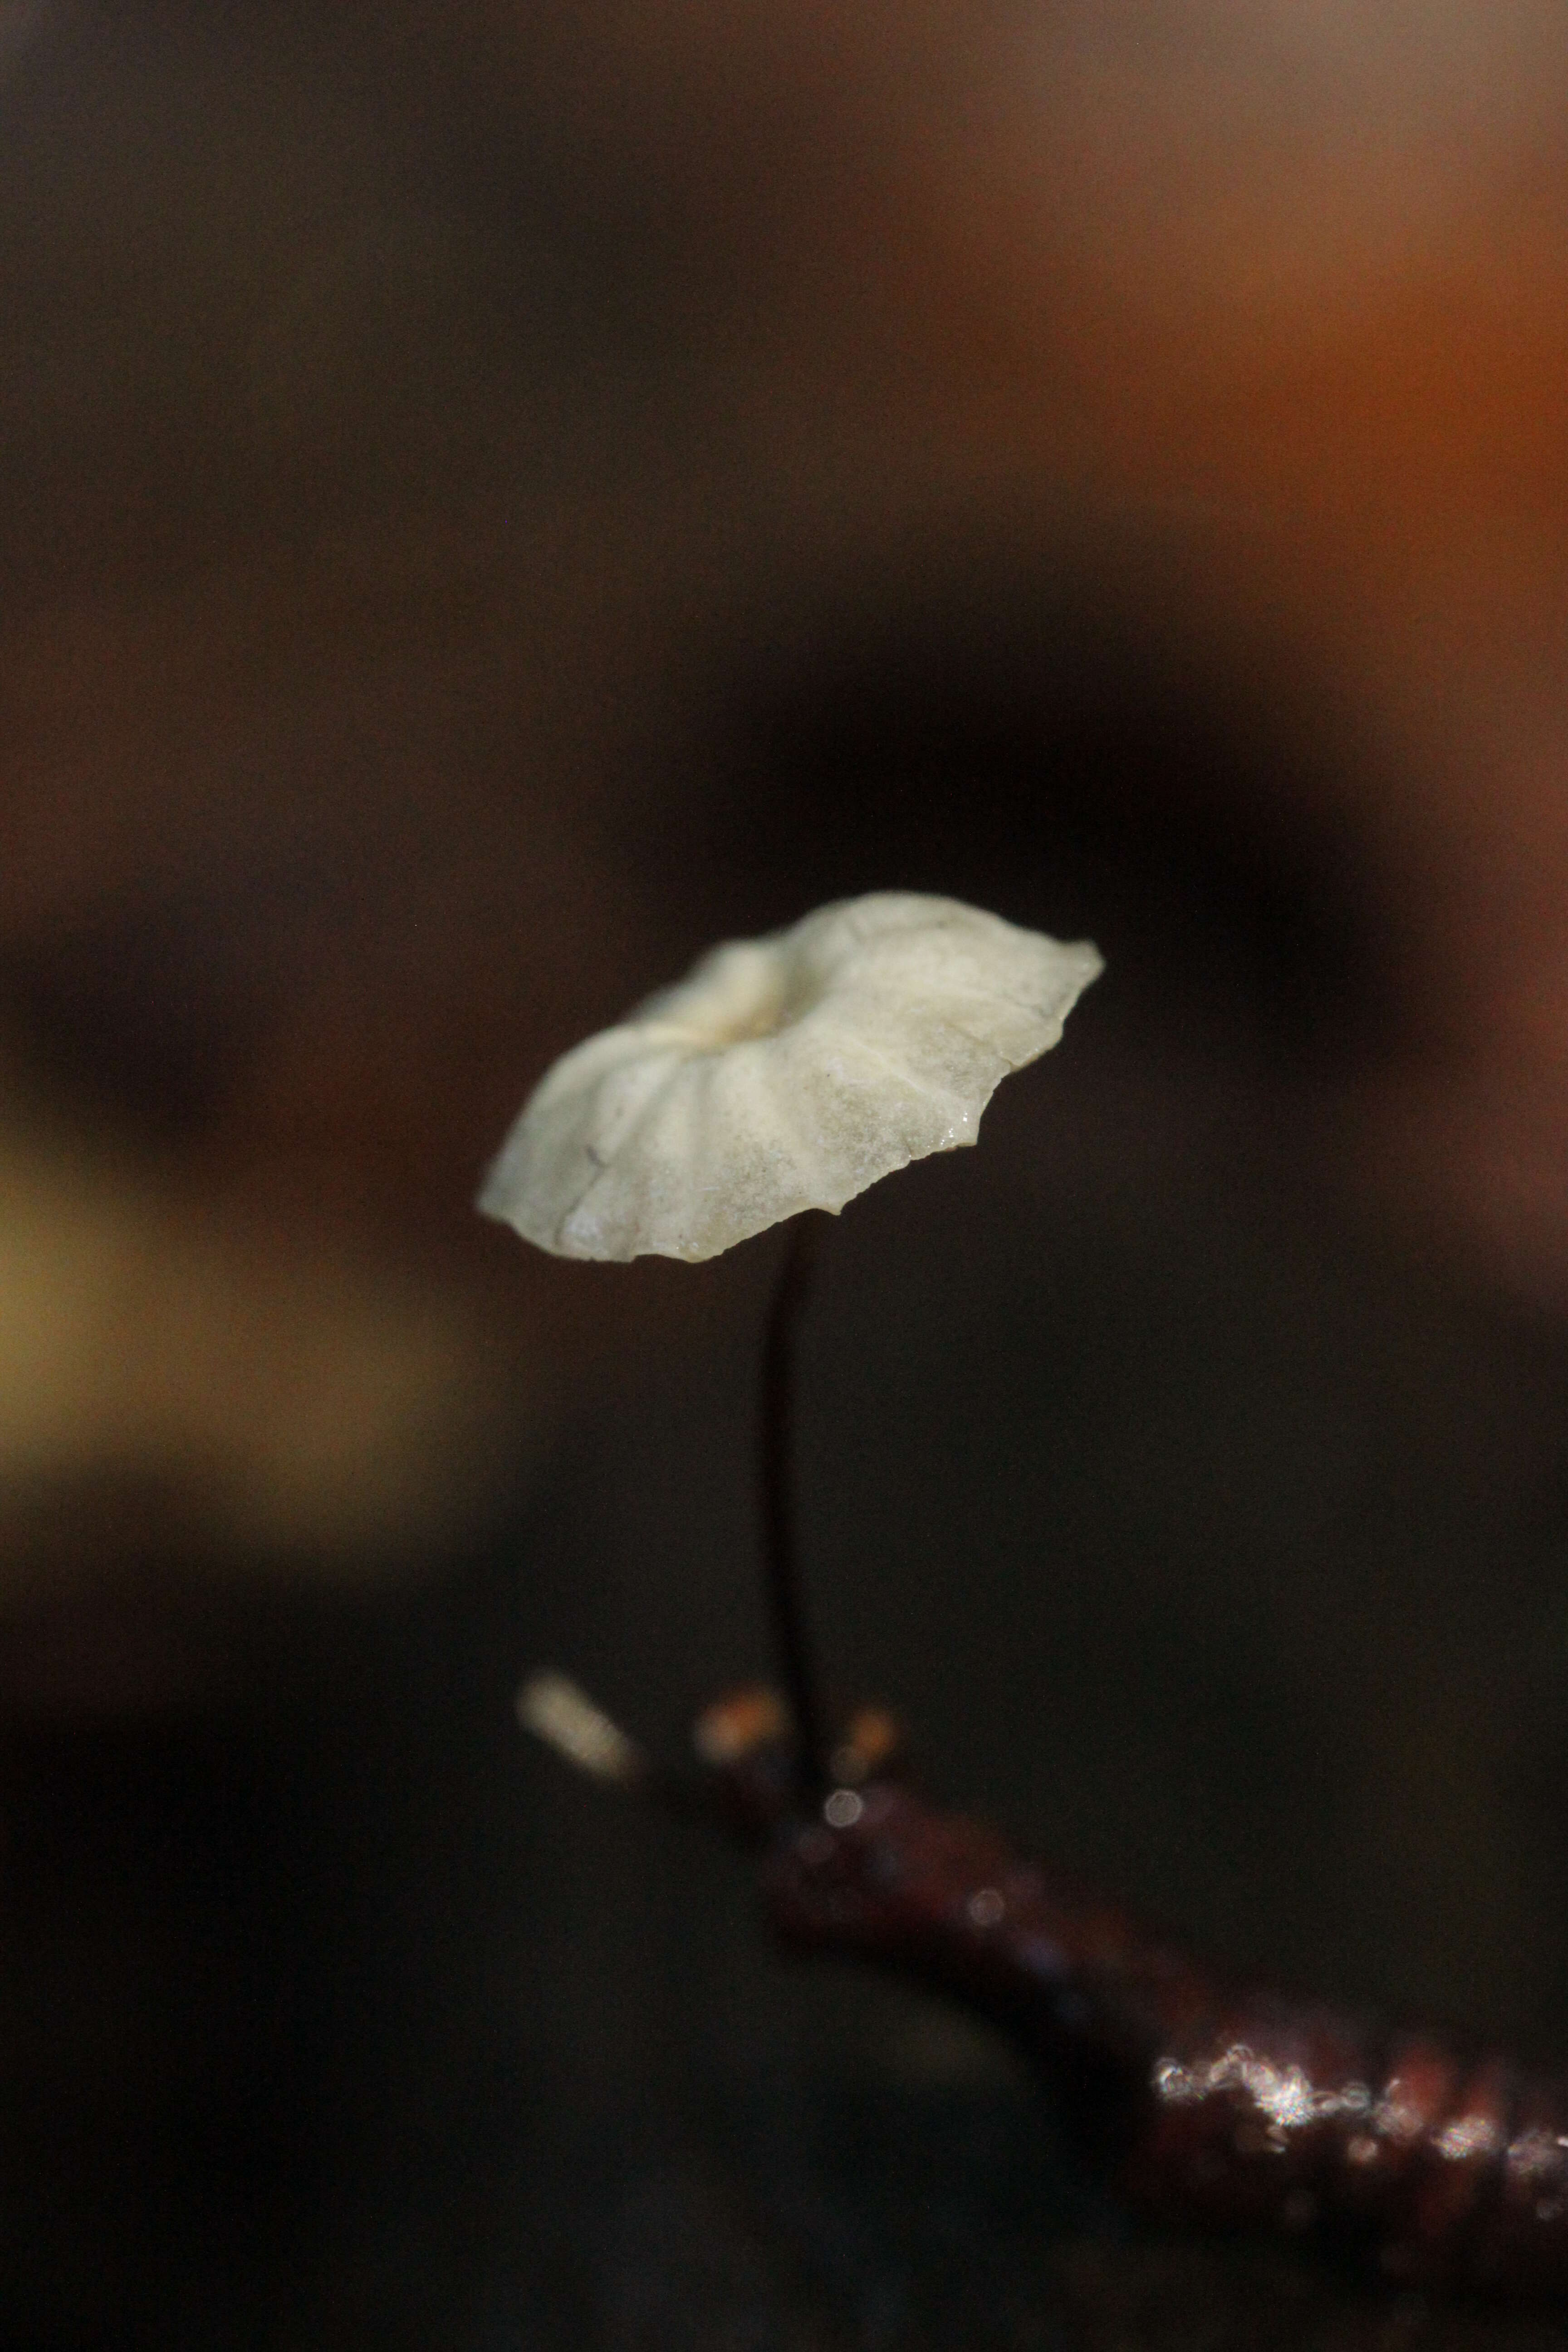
column 554, row 1707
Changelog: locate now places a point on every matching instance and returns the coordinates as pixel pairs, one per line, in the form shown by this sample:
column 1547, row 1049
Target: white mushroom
column 783, row 1073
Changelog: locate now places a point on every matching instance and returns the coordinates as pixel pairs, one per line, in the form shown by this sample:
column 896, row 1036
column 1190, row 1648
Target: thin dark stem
column 781, row 1557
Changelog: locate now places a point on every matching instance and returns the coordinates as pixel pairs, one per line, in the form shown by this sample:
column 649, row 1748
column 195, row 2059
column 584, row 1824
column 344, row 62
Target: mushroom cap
column 783, row 1073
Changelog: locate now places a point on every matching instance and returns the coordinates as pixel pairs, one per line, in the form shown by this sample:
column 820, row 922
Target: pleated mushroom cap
column 783, row 1073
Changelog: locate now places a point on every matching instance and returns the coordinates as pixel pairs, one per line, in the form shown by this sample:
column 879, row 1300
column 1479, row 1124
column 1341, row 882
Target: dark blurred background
column 491, row 500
